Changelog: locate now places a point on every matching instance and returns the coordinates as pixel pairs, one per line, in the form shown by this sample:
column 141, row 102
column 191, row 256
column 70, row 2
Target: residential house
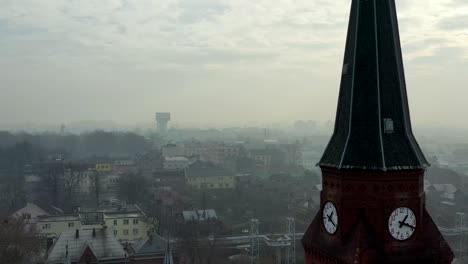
column 151, row 250
column 30, row 213
column 127, row 223
column 199, row 215
column 176, row 163
column 263, row 157
column 87, row 246
column 174, row 179
column 150, row 161
column 208, row 176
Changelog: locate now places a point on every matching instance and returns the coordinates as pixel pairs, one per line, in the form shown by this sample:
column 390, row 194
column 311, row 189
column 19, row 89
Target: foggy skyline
column 213, row 62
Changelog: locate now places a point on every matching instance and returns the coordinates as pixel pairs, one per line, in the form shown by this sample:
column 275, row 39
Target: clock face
column 330, row 217
column 402, row 223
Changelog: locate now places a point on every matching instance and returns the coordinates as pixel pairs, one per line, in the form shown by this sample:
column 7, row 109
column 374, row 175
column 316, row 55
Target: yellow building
column 103, row 167
column 209, row 177
column 54, row 225
column 127, row 224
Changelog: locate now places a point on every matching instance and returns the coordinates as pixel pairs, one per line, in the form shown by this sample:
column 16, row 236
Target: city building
column 53, row 225
column 373, row 206
column 176, row 163
column 30, row 214
column 162, row 119
column 150, row 161
column 173, row 150
column 103, row 167
column 127, row 223
column 123, row 166
column 174, row 179
column 308, row 159
column 87, row 246
column 261, row 156
column 128, row 226
column 151, row 250
column 199, row 215
column 208, row 176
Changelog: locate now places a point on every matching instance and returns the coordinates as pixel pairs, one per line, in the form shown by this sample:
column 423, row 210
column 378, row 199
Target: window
column 135, row 231
column 125, row 232
column 345, row 68
column 115, row 232
column 71, row 224
column 46, row 226
column 135, row 221
column 125, row 222
column 115, row 222
column 388, row 125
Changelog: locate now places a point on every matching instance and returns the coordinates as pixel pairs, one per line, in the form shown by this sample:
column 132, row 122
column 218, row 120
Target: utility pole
column 291, row 233
column 461, row 225
column 254, row 241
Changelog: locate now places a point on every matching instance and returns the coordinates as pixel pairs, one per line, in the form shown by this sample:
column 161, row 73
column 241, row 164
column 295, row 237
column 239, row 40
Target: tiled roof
column 207, row 172
column 104, row 245
column 150, row 245
column 199, row 215
column 33, row 210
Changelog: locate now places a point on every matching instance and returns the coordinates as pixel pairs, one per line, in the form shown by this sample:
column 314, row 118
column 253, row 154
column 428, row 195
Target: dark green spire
column 373, row 127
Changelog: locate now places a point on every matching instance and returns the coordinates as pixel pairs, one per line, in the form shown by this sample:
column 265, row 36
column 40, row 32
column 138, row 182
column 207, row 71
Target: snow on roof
column 32, row 210
column 199, row 215
column 448, row 190
column 104, row 245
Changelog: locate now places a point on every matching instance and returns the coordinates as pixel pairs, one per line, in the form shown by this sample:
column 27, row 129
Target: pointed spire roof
column 373, row 127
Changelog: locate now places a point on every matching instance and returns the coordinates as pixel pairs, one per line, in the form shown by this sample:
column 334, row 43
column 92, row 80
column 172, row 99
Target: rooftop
column 199, row 215
column 103, row 245
column 124, row 215
column 210, row 171
column 58, row 218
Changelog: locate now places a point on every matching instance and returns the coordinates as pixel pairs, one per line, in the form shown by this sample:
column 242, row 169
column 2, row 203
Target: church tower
column 373, row 201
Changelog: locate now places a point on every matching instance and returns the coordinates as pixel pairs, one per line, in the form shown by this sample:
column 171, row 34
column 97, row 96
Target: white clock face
column 330, row 217
column 402, row 223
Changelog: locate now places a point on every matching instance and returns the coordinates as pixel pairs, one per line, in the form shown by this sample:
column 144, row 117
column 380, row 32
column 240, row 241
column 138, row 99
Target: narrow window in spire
column 388, row 126
column 345, row 68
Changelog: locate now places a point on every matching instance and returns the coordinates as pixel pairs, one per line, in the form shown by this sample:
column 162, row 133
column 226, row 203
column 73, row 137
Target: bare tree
column 50, row 183
column 197, row 248
column 11, row 194
column 71, row 180
column 19, row 243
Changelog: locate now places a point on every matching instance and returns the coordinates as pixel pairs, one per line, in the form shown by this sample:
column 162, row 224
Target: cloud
column 152, row 53
column 459, row 22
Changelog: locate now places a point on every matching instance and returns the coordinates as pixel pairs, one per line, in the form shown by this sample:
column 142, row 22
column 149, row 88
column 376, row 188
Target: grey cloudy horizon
column 212, row 61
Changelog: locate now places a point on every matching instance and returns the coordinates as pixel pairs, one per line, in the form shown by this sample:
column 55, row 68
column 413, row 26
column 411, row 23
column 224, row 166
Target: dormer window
column 388, row 126
column 345, row 68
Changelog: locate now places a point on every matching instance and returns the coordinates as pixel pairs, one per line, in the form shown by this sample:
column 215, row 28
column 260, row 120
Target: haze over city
column 212, row 62
column 233, row 132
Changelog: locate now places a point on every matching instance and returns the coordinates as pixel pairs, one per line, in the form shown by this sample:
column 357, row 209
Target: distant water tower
column 161, row 121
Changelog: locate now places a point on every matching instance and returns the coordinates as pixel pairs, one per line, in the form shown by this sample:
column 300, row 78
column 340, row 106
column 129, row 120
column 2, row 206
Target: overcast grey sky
column 212, row 61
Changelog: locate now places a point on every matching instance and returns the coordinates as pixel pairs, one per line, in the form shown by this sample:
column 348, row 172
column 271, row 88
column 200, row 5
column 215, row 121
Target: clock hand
column 405, row 224
column 404, row 221
column 331, row 219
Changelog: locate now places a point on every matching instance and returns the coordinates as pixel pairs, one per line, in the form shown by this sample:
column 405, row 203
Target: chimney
column 77, row 233
column 94, row 232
